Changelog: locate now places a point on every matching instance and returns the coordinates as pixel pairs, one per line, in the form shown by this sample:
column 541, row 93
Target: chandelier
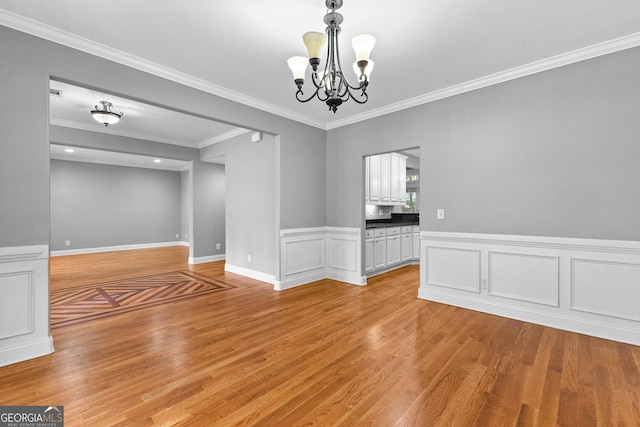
column 331, row 84
column 105, row 115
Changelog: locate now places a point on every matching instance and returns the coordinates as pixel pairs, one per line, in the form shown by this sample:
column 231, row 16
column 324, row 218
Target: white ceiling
column 71, row 108
column 88, row 155
column 425, row 50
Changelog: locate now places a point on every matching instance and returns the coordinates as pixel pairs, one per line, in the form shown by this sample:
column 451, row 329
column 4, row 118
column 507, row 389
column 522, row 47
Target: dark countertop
column 396, row 220
column 390, row 224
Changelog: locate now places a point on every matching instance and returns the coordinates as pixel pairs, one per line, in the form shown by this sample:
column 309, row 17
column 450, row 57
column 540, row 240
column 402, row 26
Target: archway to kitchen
column 391, row 210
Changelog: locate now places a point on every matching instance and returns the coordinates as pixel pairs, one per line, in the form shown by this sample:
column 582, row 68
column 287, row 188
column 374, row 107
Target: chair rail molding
column 24, row 303
column 589, row 286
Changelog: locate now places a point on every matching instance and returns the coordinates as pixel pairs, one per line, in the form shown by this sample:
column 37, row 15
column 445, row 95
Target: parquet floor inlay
column 83, row 303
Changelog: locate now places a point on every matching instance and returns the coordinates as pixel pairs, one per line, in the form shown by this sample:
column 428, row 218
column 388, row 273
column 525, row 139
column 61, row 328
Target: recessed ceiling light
column 157, row 161
column 69, row 150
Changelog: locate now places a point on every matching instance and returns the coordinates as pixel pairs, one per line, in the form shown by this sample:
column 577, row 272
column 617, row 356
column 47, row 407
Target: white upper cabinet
column 385, row 176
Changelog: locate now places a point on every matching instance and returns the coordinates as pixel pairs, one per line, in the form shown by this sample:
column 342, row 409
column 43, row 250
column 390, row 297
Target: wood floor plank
column 326, row 353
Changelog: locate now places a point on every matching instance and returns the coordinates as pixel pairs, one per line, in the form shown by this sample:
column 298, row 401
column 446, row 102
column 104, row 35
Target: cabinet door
column 416, row 245
column 402, row 179
column 407, row 246
column 380, row 252
column 393, row 250
column 385, row 177
column 369, row 255
column 374, row 178
column 395, row 178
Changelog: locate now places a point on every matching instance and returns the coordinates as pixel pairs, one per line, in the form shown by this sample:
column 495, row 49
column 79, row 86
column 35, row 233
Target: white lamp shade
column 298, row 66
column 367, row 70
column 363, row 45
column 106, row 117
column 314, row 42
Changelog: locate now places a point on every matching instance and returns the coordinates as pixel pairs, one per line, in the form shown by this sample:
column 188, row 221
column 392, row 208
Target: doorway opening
column 391, row 209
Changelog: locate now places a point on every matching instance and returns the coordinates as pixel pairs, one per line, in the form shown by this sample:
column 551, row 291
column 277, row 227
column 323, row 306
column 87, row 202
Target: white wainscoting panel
column 524, row 277
column 453, row 268
column 303, row 254
column 344, row 255
column 311, row 254
column 24, row 303
column 606, row 288
column 17, row 303
column 590, row 286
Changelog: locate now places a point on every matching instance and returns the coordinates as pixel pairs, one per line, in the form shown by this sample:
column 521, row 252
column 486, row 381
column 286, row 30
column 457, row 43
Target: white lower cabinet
column 394, row 247
column 407, row 246
column 380, row 252
column 369, row 257
column 416, row 242
column 387, row 247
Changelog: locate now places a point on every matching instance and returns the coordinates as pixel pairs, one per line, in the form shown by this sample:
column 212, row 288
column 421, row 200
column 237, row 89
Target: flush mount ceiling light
column 105, row 115
column 331, row 84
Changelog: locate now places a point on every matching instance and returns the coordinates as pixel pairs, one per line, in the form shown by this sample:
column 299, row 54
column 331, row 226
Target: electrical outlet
column 67, row 242
column 483, row 283
column 249, row 258
column 186, row 236
column 177, row 235
column 217, row 245
column 440, row 213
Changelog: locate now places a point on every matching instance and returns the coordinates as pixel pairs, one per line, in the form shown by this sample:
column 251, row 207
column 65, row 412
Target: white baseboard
column 252, row 274
column 117, row 248
column 203, row 259
column 26, row 351
column 589, row 286
column 300, row 279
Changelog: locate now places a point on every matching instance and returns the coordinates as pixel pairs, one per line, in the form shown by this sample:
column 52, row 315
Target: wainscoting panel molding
column 311, row 254
column 24, row 303
column 524, row 277
column 590, row 286
column 453, row 268
column 606, row 288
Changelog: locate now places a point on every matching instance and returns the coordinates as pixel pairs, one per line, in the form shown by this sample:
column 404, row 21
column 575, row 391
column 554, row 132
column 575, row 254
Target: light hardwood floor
column 323, row 354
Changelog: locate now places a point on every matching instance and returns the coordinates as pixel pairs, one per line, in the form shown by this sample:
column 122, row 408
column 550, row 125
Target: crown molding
column 56, row 35
column 47, row 32
column 600, row 49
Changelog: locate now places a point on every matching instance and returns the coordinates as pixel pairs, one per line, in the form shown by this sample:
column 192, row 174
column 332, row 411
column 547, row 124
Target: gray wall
column 554, row 154
column 95, row 205
column 27, row 65
column 251, row 186
column 209, row 192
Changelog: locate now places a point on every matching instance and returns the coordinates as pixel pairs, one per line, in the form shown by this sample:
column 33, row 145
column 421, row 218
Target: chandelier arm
column 364, row 94
column 313, row 95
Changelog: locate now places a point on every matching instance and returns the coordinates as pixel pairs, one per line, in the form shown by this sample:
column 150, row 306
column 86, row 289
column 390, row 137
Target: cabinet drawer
column 407, row 229
column 392, row 231
column 368, row 234
column 380, row 232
